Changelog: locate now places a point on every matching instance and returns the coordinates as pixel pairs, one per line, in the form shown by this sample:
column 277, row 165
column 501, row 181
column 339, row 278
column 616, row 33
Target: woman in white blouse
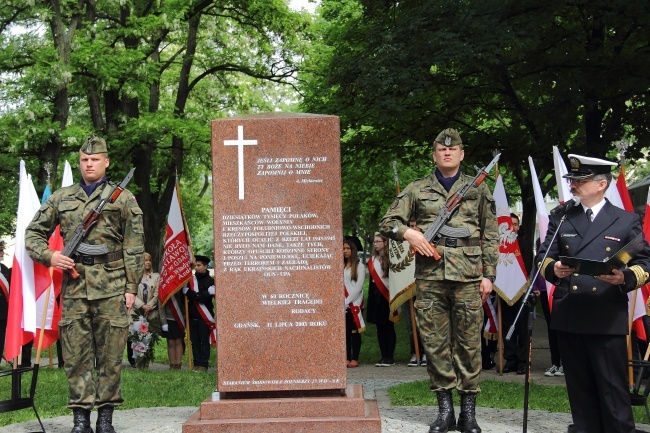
column 354, row 274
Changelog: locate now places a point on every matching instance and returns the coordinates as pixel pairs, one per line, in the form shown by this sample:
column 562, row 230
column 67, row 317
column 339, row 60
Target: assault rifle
column 75, row 245
column 437, row 229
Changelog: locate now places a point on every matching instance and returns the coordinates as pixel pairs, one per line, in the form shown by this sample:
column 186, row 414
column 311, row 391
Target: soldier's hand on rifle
column 419, row 243
column 60, row 261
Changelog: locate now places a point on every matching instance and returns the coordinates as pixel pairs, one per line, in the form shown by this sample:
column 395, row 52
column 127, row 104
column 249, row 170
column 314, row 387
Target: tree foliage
column 146, row 75
column 517, row 76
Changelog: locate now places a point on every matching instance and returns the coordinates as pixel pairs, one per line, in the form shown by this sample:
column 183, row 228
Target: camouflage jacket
column 424, row 198
column 120, row 227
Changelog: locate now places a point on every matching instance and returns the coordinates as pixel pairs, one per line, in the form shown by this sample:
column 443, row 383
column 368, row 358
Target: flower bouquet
column 142, row 342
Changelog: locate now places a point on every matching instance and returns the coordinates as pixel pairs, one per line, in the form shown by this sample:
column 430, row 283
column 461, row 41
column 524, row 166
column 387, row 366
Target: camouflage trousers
column 93, row 336
column 450, row 317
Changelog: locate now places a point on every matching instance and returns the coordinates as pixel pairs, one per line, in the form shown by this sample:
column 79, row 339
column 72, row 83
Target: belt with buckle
column 96, row 260
column 459, row 242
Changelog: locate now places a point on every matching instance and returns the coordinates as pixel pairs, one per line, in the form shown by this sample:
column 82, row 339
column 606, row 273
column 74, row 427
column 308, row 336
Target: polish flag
column 27, row 277
column 542, row 215
column 619, row 196
column 53, row 313
column 511, row 279
column 177, row 258
column 646, row 233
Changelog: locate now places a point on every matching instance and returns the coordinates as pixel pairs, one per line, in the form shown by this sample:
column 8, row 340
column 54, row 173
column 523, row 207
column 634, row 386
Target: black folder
column 602, row 267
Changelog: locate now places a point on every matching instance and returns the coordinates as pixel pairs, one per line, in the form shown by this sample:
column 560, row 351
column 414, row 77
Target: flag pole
column 187, row 335
column 48, row 170
column 43, row 320
column 190, row 363
column 499, row 300
column 414, row 328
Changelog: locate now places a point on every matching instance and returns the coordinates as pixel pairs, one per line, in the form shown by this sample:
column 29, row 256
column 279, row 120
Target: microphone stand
column 529, row 300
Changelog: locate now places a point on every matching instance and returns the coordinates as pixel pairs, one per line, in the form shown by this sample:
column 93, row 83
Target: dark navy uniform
column 591, row 315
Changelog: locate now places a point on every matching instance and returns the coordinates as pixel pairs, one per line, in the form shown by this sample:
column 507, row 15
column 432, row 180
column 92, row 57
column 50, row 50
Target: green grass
column 498, row 395
column 140, row 388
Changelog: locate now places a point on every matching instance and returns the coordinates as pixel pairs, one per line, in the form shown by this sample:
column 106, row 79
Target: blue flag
column 46, row 194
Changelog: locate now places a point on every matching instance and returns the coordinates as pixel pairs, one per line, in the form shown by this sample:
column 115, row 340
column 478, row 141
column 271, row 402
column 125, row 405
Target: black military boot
column 446, row 420
column 467, row 418
column 105, row 420
column 81, row 420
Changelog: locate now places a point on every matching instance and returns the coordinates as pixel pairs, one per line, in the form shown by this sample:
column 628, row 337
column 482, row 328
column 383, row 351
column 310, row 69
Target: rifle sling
column 95, row 260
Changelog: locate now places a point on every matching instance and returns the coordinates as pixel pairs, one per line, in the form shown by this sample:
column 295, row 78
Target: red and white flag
column 646, row 233
column 176, row 269
column 53, row 313
column 27, row 277
column 619, row 196
column 512, row 277
column 616, row 195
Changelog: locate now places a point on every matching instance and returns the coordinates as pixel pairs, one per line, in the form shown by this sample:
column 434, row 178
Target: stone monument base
column 349, row 413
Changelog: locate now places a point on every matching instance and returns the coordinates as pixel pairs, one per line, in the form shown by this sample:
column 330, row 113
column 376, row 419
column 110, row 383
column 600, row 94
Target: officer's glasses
column 579, row 182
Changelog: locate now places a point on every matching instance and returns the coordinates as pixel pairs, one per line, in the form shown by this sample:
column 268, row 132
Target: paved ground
column 376, row 381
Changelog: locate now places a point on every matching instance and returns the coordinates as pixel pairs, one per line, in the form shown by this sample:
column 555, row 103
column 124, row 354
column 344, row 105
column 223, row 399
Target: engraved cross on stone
column 240, row 143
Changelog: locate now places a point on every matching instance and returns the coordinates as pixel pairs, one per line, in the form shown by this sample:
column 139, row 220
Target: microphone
column 561, row 209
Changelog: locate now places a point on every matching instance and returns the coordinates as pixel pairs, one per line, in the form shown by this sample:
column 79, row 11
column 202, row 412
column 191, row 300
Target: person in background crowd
column 489, row 340
column 201, row 301
column 539, row 289
column 450, row 291
column 354, row 274
column 146, row 302
column 378, row 301
column 59, row 349
column 590, row 313
column 147, row 298
column 358, row 244
column 172, row 331
column 96, row 305
column 5, row 280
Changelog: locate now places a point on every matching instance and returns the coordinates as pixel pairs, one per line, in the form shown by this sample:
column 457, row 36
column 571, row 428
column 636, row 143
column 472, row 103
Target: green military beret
column 449, row 137
column 94, row 144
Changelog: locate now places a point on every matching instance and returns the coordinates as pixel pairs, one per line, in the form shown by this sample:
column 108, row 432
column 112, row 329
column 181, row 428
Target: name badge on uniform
column 568, row 235
column 612, row 238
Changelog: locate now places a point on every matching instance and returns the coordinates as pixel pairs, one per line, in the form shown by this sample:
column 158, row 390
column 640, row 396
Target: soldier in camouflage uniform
column 94, row 323
column 450, row 291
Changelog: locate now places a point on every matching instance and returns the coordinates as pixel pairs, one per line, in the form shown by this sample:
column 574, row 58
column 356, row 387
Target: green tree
column 148, row 76
column 517, row 76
